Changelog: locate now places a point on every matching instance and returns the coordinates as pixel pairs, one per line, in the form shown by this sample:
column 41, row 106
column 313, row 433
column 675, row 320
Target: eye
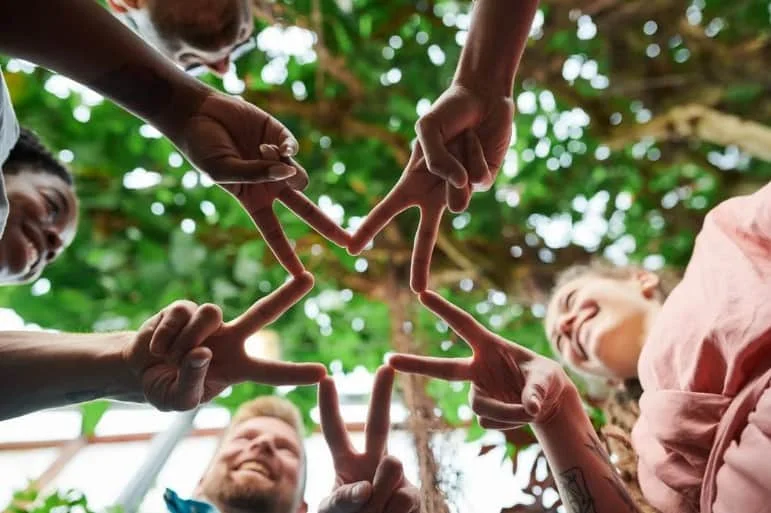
column 53, row 206
column 569, row 300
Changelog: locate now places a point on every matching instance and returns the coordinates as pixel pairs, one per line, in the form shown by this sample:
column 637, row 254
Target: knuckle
column 210, row 311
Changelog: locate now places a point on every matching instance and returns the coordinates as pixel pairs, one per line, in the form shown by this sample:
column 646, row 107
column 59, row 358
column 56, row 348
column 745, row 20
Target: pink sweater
column 704, row 433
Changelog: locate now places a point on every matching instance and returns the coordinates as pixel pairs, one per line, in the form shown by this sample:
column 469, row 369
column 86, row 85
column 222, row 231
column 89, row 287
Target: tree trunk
column 422, row 421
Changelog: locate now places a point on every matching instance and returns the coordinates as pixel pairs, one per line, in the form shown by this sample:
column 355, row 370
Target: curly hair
column 29, row 154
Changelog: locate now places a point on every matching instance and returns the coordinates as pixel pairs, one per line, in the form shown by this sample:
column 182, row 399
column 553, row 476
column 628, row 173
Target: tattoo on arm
column 81, row 396
column 615, row 481
column 575, row 493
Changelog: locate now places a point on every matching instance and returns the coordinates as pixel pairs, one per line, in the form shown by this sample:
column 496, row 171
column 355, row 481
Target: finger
column 391, row 206
column 235, row 170
column 173, row 319
column 300, row 180
column 404, row 500
column 187, row 391
column 440, row 161
column 277, row 373
column 476, row 164
column 332, row 425
column 486, row 406
column 270, row 152
column 267, row 223
column 289, row 146
column 488, row 423
column 458, row 199
column 541, row 388
column 449, row 369
column 314, row 216
column 379, row 416
column 271, row 307
column 348, row 498
column 388, row 477
column 423, row 248
column 205, row 321
column 460, row 321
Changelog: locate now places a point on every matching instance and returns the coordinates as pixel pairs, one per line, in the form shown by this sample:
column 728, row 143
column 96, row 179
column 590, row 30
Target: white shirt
column 9, row 134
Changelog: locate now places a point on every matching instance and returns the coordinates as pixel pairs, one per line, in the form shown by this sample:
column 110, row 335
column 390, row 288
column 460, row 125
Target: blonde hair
column 602, row 269
column 269, row 406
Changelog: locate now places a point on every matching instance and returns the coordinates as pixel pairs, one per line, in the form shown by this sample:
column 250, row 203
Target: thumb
column 348, row 498
column 188, row 390
column 235, row 170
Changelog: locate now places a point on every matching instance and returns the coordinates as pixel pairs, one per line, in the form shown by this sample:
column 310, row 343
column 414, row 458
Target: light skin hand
column 511, row 385
column 419, row 188
column 258, row 199
column 186, row 355
column 368, row 482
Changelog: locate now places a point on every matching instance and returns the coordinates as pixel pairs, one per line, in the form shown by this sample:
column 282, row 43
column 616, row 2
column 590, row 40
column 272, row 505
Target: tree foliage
column 623, row 143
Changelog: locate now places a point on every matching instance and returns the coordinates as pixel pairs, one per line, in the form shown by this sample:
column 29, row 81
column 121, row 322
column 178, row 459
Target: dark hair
column 177, row 20
column 29, row 154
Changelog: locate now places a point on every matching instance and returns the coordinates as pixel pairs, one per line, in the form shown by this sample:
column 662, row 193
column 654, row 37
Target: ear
column 649, row 283
column 302, row 508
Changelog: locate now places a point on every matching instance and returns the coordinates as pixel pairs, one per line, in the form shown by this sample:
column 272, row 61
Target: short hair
column 30, row 154
column 603, row 269
column 278, row 408
column 204, row 24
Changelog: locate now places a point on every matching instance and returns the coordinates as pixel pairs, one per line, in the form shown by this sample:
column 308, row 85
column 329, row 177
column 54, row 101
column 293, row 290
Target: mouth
column 34, row 247
column 258, row 468
column 581, row 336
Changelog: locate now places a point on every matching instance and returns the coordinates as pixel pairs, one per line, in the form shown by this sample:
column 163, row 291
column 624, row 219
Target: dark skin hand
column 431, row 194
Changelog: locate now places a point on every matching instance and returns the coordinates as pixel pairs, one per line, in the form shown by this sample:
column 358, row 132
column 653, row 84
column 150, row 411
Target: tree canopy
column 634, row 118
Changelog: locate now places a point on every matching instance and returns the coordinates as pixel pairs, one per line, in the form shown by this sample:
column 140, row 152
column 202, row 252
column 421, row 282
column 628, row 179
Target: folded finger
column 206, row 319
column 332, row 425
column 348, row 498
column 404, row 500
column 300, row 179
column 439, row 161
column 486, row 406
column 236, row 170
column 423, row 249
column 173, row 319
column 270, row 228
column 306, row 210
column 478, row 170
column 388, row 477
column 379, row 416
column 488, row 423
column 458, row 199
column 187, row 391
column 393, row 204
column 271, row 307
column 449, row 369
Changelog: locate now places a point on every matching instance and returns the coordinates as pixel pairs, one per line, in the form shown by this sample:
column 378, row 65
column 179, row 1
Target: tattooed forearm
column 614, row 480
column 575, row 494
column 81, row 396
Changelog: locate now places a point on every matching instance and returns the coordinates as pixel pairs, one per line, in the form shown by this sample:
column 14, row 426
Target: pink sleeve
column 743, row 482
column 749, row 216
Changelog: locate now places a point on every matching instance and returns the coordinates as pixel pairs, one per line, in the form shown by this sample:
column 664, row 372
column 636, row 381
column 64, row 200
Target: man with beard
column 260, row 465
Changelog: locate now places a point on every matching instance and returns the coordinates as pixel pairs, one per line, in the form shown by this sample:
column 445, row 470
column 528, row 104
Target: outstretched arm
column 46, row 369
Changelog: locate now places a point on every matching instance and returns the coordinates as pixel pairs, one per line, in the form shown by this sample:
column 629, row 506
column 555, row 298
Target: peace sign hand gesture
column 368, row 482
column 419, row 188
column 258, row 198
column 185, row 355
column 512, row 386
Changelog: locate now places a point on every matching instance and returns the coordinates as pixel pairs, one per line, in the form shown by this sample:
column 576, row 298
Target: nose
column 220, row 67
column 264, row 444
column 54, row 243
column 566, row 323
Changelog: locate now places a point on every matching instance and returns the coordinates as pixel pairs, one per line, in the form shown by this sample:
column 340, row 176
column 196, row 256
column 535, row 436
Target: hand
column 185, row 355
column 512, row 386
column 461, row 109
column 258, row 198
column 223, row 136
column 368, row 482
column 418, row 187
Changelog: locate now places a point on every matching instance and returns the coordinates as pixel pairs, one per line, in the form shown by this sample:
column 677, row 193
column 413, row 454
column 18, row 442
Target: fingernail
column 535, row 401
column 360, row 492
column 199, row 363
column 281, row 171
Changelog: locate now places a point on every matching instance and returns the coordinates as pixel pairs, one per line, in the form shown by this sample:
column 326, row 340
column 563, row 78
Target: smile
column 257, row 467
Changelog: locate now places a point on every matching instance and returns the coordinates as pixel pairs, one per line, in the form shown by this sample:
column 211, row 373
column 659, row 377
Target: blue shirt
column 9, row 133
column 177, row 505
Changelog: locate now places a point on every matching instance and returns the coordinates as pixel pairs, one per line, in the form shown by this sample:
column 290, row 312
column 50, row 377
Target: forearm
column 494, row 46
column 81, row 40
column 43, row 370
column 586, row 480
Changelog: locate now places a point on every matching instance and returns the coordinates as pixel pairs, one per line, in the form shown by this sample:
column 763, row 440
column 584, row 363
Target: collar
column 177, row 505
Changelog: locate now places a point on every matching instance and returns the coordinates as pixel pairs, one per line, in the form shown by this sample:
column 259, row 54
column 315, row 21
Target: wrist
column 566, row 410
column 122, row 381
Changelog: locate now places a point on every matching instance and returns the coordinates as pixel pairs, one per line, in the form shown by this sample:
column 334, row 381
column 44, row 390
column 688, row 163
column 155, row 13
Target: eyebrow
column 62, row 200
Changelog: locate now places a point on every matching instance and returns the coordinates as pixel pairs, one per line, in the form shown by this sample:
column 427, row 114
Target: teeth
column 255, row 467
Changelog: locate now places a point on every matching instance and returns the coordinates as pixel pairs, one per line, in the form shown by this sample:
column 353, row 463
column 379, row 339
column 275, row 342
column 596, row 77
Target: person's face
column 42, row 221
column 196, row 57
column 598, row 325
column 257, row 468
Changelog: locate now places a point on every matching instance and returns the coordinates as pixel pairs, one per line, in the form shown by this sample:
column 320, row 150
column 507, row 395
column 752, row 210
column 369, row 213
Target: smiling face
column 257, row 468
column 42, row 221
column 598, row 324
